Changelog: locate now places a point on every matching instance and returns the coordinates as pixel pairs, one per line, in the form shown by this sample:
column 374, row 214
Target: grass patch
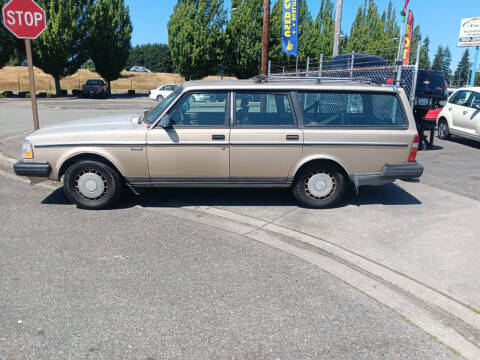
column 474, row 310
column 14, row 77
column 455, row 351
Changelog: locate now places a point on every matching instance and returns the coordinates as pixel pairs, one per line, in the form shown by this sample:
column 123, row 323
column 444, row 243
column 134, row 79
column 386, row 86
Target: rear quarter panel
column 361, row 150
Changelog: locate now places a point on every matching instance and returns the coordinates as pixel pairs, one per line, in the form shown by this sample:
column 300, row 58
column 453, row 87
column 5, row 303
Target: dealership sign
column 470, row 32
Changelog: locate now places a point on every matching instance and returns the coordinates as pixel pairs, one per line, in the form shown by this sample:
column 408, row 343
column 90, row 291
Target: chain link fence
column 364, row 67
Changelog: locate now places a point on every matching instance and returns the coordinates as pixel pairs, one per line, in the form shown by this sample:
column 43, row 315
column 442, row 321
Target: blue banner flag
column 290, row 27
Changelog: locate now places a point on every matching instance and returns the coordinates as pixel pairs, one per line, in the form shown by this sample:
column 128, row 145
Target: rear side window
column 351, row 109
column 263, row 109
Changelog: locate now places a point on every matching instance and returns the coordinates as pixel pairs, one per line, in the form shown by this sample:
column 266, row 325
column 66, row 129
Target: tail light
column 414, row 149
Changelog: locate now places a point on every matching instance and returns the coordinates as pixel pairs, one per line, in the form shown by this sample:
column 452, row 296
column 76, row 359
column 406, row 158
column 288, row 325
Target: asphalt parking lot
column 223, row 273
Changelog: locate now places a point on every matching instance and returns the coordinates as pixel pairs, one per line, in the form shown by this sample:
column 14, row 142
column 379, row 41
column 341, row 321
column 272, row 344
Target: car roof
column 473, row 88
column 297, row 84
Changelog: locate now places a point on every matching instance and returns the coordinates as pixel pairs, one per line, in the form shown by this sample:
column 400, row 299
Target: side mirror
column 165, row 121
column 476, row 106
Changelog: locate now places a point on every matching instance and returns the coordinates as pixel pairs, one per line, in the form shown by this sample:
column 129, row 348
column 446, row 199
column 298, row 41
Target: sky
column 439, row 19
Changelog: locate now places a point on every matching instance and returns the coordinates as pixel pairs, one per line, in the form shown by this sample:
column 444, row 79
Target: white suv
column 461, row 115
column 162, row 92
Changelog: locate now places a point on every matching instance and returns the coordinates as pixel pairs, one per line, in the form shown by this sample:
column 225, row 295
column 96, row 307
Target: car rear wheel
column 159, row 98
column 319, row 186
column 443, row 130
column 92, row 185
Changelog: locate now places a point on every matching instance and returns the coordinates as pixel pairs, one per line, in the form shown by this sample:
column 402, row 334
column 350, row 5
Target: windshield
column 154, row 113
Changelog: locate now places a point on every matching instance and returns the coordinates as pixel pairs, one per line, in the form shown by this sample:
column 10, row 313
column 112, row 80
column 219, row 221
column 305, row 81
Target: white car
column 162, row 92
column 461, row 115
column 139, row 69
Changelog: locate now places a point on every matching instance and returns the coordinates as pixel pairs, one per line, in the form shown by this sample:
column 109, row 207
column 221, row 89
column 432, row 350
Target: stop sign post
column 26, row 20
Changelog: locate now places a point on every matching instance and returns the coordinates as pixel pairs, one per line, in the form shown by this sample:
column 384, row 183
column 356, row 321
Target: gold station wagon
column 315, row 136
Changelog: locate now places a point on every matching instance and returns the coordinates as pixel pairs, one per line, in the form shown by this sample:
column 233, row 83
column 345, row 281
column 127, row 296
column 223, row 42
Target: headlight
column 27, row 150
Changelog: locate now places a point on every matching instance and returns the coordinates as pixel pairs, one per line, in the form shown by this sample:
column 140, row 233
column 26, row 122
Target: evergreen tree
column 462, row 73
column 416, row 39
column 447, row 62
column 374, row 34
column 110, row 31
column 439, row 59
column 196, row 38
column 62, row 48
column 323, row 29
column 155, row 57
column 7, row 42
column 306, row 35
column 425, row 54
column 244, row 38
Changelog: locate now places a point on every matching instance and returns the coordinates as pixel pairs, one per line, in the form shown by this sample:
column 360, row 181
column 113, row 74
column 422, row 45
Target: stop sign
column 24, row 18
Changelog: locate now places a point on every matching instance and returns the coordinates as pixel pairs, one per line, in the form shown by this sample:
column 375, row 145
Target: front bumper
column 32, row 169
column 390, row 173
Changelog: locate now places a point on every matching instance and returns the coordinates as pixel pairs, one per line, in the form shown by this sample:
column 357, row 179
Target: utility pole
column 266, row 27
column 338, row 24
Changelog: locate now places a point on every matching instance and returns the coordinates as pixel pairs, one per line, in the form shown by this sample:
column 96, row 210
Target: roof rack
column 318, row 79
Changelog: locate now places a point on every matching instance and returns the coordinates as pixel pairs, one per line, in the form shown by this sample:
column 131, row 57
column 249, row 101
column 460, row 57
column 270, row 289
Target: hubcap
column 443, row 129
column 91, row 184
column 320, row 185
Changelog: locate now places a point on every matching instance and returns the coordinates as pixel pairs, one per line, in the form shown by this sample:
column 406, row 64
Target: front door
column 473, row 117
column 265, row 142
column 461, row 110
column 194, row 150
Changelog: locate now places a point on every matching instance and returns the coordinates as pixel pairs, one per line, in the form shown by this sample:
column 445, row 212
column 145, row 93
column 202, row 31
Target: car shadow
column 467, row 142
column 389, row 194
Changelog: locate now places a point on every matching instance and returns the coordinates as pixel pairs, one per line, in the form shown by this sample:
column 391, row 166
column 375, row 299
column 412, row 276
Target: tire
column 159, row 98
column 331, row 186
column 443, row 130
column 92, row 185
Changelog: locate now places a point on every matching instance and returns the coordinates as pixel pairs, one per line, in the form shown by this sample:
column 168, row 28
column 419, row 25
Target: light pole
column 266, row 26
column 338, row 24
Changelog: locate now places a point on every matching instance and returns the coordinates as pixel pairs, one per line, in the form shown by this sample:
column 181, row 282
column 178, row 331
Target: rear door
column 265, row 141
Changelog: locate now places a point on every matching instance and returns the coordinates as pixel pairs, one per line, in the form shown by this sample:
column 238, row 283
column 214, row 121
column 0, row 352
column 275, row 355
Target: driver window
column 462, row 98
column 200, row 109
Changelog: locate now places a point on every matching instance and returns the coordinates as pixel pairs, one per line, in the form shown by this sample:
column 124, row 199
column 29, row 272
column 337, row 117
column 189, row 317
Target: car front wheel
column 159, row 98
column 92, row 185
column 319, row 186
column 443, row 130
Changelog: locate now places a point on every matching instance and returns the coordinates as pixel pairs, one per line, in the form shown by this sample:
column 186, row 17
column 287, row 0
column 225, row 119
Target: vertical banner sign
column 290, row 27
column 408, row 39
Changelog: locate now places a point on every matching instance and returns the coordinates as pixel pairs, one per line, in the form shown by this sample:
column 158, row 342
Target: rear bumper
column 390, row 173
column 32, row 169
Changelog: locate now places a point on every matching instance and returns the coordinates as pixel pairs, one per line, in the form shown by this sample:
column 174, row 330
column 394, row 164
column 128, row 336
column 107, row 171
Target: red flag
column 408, row 39
column 404, row 11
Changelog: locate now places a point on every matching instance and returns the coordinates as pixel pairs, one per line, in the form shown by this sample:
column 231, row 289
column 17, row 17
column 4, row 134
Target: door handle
column 449, row 109
column 293, row 137
column 218, row 137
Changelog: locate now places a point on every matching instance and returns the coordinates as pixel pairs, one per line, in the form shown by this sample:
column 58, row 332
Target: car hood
column 87, row 129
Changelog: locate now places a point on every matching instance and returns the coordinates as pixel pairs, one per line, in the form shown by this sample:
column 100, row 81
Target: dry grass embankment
column 11, row 77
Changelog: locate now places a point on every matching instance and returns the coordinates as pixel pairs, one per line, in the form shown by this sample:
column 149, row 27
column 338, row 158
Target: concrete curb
column 451, row 321
column 6, row 163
